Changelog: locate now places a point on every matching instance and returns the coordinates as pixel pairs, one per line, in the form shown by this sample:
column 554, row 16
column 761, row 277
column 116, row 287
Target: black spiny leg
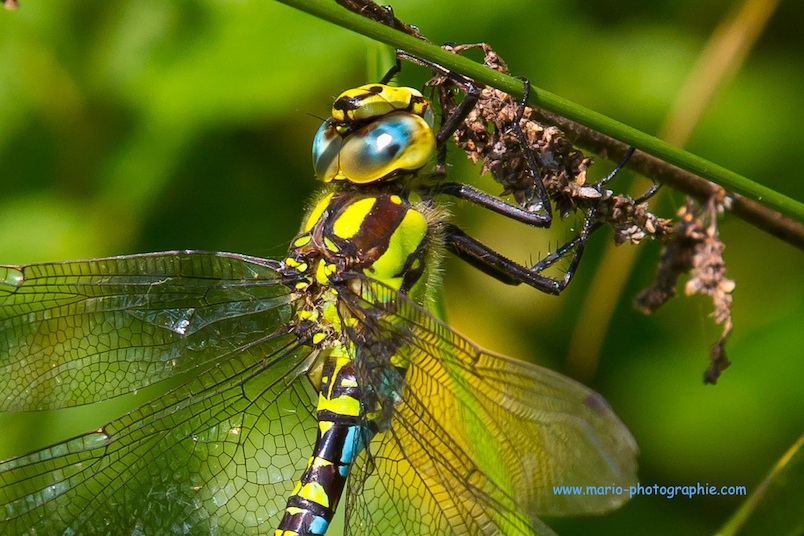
column 510, row 272
column 492, row 203
column 565, row 249
column 495, row 264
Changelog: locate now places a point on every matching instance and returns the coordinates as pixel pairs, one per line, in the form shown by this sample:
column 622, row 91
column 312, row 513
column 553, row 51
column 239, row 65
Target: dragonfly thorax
column 382, row 236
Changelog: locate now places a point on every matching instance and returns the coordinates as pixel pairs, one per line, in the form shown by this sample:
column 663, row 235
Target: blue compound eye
column 396, row 141
column 326, row 150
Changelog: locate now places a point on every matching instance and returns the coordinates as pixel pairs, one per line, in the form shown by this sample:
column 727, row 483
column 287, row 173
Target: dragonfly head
column 375, row 132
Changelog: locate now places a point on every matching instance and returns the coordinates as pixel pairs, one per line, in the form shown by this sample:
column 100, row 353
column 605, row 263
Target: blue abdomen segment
column 316, row 495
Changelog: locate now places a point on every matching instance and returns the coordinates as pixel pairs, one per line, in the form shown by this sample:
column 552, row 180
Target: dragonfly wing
column 478, row 441
column 217, row 455
column 79, row 332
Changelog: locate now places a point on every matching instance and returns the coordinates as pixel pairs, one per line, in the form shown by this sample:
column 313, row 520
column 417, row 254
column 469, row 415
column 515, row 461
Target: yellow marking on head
column 301, row 285
column 395, row 199
column 350, row 221
column 377, row 100
column 325, row 426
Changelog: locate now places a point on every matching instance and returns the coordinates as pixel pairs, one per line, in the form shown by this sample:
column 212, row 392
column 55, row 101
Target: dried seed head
column 696, row 249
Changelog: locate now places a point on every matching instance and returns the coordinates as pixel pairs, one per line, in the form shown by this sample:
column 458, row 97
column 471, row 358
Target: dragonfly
column 304, row 379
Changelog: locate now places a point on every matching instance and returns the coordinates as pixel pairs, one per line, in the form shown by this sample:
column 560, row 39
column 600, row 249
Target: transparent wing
column 78, row 332
column 477, row 441
column 216, row 455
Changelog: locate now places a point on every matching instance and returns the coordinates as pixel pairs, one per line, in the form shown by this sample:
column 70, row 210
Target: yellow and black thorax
column 382, row 236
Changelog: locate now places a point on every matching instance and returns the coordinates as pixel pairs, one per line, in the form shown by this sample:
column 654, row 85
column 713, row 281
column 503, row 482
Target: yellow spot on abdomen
column 342, row 405
column 315, row 492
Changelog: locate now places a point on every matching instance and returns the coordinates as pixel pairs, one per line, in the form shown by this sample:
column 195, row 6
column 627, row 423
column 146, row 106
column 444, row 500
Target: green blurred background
column 141, row 126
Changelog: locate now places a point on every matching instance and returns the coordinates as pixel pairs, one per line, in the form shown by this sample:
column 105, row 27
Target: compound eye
column 393, row 142
column 326, row 151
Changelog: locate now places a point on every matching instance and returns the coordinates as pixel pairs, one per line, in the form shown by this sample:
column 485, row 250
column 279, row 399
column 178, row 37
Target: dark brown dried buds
column 696, row 249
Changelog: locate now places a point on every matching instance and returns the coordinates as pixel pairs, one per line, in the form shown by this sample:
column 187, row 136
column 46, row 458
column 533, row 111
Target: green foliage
column 144, row 126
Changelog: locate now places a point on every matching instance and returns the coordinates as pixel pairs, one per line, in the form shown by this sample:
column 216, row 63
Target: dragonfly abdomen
column 340, row 437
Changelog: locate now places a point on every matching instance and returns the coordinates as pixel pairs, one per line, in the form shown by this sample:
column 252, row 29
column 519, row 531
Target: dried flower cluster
column 633, row 221
column 487, row 136
column 696, row 249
